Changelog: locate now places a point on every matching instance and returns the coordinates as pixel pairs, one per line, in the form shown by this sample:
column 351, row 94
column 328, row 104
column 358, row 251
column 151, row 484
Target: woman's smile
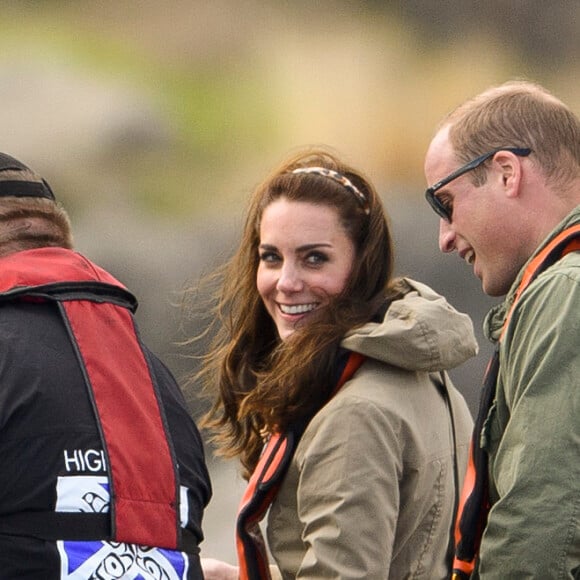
column 297, row 308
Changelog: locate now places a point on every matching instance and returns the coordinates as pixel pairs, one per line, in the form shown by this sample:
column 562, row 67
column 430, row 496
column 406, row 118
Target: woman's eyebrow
column 306, row 247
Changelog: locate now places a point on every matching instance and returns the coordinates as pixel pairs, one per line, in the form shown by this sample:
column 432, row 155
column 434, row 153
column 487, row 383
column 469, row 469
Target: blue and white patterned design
column 98, row 560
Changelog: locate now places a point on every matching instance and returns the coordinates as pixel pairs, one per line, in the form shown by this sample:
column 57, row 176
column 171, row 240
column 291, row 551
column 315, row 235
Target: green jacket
column 370, row 491
column 532, row 433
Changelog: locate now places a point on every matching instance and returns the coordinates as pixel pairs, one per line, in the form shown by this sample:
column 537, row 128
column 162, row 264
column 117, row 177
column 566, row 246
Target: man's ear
column 510, row 171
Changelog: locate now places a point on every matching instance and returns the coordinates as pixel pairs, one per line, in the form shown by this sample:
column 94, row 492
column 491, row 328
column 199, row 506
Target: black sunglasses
column 444, row 210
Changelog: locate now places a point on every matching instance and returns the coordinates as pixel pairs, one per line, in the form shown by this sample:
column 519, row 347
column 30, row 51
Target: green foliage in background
column 211, row 111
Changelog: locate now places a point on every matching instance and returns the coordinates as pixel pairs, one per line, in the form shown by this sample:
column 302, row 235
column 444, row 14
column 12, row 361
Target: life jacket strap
column 263, row 487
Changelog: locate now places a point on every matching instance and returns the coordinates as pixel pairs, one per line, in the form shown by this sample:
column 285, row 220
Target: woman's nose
column 446, row 237
column 289, row 279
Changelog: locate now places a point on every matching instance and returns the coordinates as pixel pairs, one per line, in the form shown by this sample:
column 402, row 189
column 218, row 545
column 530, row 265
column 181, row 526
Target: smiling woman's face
column 306, row 257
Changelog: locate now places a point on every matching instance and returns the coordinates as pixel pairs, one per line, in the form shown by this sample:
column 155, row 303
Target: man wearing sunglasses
column 504, row 178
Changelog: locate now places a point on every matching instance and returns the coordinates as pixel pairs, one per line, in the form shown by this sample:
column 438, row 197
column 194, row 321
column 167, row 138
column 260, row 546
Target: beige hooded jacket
column 371, row 490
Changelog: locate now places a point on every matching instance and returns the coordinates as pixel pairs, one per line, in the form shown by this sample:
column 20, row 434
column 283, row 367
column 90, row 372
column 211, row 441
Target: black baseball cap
column 21, row 188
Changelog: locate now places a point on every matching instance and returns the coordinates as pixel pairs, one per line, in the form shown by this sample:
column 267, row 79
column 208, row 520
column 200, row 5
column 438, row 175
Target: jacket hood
column 420, row 331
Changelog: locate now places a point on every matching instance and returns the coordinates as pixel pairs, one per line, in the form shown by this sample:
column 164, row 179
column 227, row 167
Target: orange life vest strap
column 263, row 487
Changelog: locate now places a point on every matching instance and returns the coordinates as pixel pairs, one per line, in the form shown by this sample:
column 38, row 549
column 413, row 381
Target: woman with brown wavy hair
column 328, row 379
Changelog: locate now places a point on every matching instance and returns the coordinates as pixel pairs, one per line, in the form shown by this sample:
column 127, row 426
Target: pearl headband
column 339, row 178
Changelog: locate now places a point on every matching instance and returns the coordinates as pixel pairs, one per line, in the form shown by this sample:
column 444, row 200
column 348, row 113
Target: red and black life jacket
column 97, row 312
column 474, row 503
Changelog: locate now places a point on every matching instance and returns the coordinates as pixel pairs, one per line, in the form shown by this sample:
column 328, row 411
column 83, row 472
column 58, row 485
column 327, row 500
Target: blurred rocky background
column 154, row 120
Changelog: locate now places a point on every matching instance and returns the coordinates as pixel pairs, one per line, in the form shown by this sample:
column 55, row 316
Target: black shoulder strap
column 440, row 380
column 75, row 290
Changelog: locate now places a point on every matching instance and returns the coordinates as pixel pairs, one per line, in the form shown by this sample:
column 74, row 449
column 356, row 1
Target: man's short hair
column 518, row 114
column 30, row 217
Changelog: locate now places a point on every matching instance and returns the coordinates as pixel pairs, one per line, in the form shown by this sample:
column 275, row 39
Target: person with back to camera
column 103, row 472
column 339, row 371
column 505, row 175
